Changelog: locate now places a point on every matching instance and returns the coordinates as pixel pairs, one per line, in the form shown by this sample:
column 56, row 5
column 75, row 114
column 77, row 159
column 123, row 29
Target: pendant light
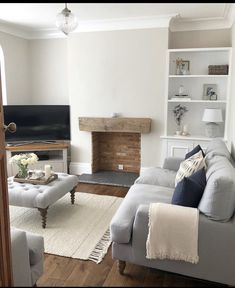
column 66, row 21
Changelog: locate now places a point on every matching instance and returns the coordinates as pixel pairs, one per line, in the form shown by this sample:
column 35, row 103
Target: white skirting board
column 78, row 168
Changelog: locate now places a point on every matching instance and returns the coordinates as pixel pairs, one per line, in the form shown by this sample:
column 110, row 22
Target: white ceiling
column 30, row 17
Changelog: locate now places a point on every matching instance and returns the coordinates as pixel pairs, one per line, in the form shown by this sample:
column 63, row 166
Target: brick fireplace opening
column 116, row 151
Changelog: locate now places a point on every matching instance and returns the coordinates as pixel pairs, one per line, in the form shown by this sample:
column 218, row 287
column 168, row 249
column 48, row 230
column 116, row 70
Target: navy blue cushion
column 188, row 192
column 194, row 151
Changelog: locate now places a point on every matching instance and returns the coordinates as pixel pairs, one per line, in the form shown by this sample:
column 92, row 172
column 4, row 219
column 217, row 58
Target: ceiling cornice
column 91, row 26
column 174, row 21
column 223, row 22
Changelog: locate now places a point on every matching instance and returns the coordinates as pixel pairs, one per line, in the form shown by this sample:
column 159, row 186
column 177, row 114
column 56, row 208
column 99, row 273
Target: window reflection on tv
column 38, row 122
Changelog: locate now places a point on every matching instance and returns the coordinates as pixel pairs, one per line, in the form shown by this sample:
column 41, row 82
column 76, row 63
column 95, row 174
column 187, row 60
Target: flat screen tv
column 38, row 122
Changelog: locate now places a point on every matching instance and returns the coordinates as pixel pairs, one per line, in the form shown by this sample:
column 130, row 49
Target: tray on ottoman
column 40, row 181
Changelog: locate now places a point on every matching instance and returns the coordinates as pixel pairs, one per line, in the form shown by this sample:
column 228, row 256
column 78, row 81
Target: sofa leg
column 72, row 194
column 121, row 266
column 43, row 213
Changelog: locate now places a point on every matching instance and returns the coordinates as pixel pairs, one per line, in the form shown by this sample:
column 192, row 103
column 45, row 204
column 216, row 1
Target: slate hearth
column 114, row 178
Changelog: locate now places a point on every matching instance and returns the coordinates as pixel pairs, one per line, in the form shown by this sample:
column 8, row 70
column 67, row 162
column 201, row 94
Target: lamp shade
column 212, row 115
column 66, row 21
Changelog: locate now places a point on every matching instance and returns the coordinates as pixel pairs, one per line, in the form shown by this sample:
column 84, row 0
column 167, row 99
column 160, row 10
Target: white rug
column 78, row 231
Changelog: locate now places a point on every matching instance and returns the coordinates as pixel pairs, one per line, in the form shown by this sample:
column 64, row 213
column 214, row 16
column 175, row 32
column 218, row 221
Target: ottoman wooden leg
column 43, row 213
column 121, row 266
column 72, row 192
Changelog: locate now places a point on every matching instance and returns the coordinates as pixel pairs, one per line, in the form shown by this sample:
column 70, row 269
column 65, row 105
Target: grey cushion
column 157, row 176
column 172, row 163
column 218, row 200
column 217, row 147
column 122, row 221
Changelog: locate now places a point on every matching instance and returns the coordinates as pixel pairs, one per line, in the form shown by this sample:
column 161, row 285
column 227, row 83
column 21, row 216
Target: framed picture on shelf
column 209, row 91
column 182, row 67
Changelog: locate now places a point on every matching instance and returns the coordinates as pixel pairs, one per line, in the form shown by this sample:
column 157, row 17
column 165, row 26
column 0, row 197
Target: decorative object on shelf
column 66, row 21
column 181, row 90
column 212, row 117
column 185, row 130
column 179, row 112
column 218, row 69
column 182, row 67
column 22, row 161
column 209, row 91
column 181, row 94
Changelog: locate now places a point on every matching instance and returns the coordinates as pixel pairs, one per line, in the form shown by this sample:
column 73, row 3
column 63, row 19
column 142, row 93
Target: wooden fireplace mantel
column 119, row 124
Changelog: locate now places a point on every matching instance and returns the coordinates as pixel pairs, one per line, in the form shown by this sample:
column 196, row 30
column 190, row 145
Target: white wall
column 16, row 56
column 200, row 38
column 118, row 71
column 49, row 71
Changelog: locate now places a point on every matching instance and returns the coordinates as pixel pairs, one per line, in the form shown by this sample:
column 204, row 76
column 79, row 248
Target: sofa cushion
column 190, row 166
column 218, row 200
column 188, row 191
column 194, row 151
column 217, row 147
column 157, row 176
column 122, row 222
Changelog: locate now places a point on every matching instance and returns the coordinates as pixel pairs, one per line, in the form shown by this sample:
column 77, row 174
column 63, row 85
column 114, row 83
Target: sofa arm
column 172, row 163
column 20, row 258
column 141, row 220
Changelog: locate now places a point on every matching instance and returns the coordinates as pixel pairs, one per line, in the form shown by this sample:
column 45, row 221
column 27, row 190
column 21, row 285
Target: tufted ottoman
column 41, row 196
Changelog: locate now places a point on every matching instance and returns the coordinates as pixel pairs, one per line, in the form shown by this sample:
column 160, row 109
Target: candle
column 185, row 128
column 47, row 169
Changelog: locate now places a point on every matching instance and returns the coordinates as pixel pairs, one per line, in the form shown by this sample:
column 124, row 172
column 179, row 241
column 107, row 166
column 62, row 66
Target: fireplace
column 116, row 145
column 116, row 151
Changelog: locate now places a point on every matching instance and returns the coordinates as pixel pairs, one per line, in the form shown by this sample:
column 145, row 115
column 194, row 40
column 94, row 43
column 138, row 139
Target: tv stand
column 31, row 142
column 55, row 154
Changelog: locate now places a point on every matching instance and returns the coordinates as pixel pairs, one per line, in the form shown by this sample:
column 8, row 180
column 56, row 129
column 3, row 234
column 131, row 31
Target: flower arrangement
column 22, row 161
column 179, row 112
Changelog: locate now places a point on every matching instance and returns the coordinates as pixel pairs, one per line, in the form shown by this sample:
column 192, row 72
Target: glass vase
column 23, row 171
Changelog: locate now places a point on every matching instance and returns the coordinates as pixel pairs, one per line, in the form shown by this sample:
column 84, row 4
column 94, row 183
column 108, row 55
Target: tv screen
column 38, row 122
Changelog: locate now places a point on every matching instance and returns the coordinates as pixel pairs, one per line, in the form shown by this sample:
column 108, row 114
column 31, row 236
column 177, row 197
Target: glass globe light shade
column 66, row 21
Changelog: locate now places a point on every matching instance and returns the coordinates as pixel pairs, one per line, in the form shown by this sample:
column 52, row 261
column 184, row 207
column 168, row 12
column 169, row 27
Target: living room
column 118, row 67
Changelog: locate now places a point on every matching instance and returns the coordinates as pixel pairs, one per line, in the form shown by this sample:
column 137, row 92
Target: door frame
column 6, row 278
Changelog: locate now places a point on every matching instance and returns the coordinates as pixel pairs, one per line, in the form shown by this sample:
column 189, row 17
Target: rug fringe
column 101, row 248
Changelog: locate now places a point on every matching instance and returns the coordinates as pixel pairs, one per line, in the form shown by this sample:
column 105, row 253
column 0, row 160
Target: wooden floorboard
column 63, row 271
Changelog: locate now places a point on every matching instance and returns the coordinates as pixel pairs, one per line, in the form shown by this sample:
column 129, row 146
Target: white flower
column 24, row 159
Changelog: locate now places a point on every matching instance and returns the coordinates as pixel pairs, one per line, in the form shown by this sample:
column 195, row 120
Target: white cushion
column 190, row 166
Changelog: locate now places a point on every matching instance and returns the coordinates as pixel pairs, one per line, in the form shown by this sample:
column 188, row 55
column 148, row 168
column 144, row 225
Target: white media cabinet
column 55, row 154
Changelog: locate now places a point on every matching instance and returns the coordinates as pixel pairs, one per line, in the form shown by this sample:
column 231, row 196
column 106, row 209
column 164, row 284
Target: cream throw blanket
column 173, row 232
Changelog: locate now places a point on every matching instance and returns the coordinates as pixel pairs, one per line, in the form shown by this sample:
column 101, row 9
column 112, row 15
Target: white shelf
column 198, row 76
column 213, row 49
column 194, row 83
column 198, row 101
column 190, row 137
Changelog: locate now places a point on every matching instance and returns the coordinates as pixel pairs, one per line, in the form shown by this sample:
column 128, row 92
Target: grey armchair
column 27, row 257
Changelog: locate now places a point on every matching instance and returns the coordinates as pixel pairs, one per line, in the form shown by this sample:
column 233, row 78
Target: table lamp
column 212, row 117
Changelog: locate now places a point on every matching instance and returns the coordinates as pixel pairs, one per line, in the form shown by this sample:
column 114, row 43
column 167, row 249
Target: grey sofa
column 129, row 226
column 27, row 257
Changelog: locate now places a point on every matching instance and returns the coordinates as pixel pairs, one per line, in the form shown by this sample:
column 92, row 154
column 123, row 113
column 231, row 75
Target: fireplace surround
column 116, row 142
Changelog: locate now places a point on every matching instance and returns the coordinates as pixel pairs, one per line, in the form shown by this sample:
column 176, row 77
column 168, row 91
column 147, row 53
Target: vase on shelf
column 178, row 131
column 23, row 171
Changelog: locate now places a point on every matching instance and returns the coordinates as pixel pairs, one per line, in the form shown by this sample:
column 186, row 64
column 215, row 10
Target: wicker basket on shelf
column 218, row 69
